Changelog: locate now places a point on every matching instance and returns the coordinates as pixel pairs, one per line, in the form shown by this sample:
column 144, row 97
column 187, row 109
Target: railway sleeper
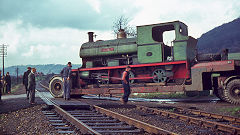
column 84, row 112
column 136, row 131
column 106, row 124
column 66, row 132
column 100, row 121
column 96, row 115
column 54, row 118
column 92, row 118
column 214, row 121
column 63, row 128
column 211, row 115
column 121, row 127
column 59, row 124
column 227, row 129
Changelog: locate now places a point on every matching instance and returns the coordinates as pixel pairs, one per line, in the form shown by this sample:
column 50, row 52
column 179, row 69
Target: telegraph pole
column 17, row 74
column 3, row 53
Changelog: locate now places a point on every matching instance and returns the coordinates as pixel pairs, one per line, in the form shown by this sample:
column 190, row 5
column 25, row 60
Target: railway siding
column 210, row 120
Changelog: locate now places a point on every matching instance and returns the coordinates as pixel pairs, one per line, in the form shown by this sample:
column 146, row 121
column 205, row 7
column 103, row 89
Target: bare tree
column 123, row 23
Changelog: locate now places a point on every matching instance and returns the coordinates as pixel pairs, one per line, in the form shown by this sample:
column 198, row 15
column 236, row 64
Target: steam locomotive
column 156, row 67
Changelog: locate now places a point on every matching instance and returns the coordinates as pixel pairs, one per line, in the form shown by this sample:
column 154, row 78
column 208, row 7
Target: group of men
column 6, row 80
column 66, row 74
column 30, row 84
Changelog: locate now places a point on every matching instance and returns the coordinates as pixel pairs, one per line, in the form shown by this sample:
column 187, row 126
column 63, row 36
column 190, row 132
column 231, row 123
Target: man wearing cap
column 8, row 82
column 66, row 74
column 25, row 80
column 31, row 86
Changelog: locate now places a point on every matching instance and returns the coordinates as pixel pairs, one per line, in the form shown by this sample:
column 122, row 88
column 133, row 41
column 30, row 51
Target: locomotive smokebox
column 90, row 36
column 121, row 34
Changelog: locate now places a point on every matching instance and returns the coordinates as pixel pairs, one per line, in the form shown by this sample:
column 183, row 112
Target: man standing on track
column 25, row 80
column 126, row 85
column 32, row 85
column 66, row 74
column 8, row 82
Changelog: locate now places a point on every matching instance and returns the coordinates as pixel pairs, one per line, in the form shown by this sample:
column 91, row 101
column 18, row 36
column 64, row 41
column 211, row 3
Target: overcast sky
column 52, row 31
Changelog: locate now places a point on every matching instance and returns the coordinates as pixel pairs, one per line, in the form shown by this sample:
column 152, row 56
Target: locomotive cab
column 151, row 47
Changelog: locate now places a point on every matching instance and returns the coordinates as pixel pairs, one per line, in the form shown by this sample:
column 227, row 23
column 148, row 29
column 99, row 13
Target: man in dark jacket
column 66, row 73
column 32, row 85
column 25, row 80
column 8, row 82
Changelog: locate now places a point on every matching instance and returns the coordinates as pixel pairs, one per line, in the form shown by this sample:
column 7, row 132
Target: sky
column 52, row 31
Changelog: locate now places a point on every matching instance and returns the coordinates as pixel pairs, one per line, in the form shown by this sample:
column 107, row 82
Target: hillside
column 224, row 36
column 46, row 69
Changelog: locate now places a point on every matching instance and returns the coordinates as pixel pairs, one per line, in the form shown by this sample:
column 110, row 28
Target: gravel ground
column 218, row 107
column 25, row 121
column 170, row 124
column 173, row 125
column 18, row 117
column 129, row 110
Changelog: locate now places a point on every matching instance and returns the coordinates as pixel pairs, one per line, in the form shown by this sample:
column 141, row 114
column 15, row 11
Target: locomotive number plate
column 107, row 49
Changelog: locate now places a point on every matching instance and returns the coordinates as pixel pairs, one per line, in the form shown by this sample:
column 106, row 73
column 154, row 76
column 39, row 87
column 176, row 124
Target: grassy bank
column 235, row 111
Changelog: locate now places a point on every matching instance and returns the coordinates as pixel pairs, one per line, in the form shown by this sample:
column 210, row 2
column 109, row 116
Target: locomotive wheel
column 131, row 75
column 159, row 75
column 232, row 92
column 56, row 87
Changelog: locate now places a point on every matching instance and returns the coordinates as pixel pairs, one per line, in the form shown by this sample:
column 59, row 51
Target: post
column 3, row 75
column 3, row 52
column 17, row 74
column 3, row 58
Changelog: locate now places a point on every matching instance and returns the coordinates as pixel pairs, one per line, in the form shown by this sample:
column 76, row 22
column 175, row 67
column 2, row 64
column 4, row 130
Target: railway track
column 227, row 124
column 95, row 120
column 218, row 122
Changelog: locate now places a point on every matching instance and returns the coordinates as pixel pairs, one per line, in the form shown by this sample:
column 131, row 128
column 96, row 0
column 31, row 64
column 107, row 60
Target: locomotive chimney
column 121, row 34
column 90, row 36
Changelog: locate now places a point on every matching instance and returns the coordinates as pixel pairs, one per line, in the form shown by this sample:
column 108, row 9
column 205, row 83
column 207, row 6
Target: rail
column 219, row 122
column 87, row 121
column 232, row 126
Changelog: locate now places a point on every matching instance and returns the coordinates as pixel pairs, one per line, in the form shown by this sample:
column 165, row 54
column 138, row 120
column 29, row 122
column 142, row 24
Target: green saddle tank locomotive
column 156, row 67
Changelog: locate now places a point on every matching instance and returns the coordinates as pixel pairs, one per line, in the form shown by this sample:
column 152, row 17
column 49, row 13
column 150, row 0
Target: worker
column 8, row 82
column 25, row 80
column 126, row 85
column 66, row 73
column 32, row 85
